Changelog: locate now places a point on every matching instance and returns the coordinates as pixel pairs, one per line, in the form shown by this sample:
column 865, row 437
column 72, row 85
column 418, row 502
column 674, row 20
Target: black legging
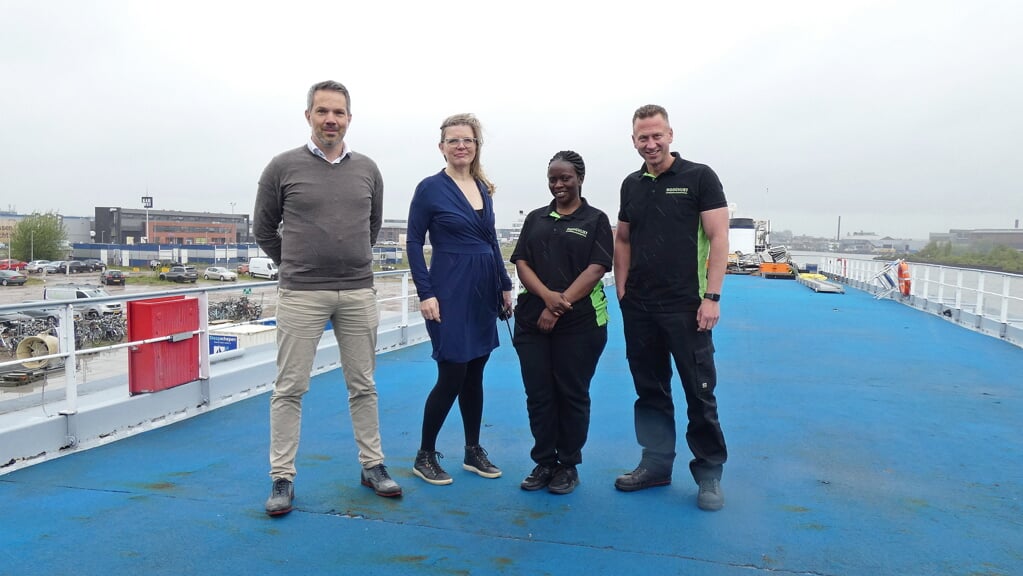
column 463, row 380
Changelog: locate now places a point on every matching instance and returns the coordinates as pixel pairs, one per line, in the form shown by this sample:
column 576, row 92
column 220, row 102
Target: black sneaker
column 281, row 495
column 565, row 480
column 539, row 478
column 427, row 468
column 710, row 497
column 641, row 478
column 380, row 481
column 476, row 461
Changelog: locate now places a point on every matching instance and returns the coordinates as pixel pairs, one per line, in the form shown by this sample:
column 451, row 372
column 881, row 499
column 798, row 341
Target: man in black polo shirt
column 671, row 250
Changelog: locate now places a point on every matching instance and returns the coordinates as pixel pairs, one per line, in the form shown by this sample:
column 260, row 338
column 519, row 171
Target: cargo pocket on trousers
column 706, row 373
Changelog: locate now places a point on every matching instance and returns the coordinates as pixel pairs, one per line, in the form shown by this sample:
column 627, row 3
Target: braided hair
column 572, row 158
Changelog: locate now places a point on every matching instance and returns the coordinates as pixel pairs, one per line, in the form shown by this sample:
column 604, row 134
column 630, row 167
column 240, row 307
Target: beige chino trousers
column 302, row 316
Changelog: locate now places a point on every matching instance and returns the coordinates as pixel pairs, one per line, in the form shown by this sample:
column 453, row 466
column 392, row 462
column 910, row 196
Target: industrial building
column 119, row 225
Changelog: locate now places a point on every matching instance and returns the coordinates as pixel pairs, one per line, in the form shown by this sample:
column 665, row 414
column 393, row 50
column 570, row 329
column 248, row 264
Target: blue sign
column 221, row 343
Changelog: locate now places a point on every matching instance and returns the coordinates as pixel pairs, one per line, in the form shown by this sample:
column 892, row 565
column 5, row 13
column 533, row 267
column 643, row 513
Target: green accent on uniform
column 599, row 301
column 554, row 214
column 702, row 255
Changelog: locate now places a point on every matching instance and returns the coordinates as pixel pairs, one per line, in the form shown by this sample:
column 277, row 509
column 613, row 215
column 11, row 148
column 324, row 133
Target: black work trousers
column 652, row 339
column 556, row 372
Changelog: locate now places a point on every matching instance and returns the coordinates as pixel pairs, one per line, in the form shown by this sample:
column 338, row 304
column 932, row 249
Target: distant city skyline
column 12, row 211
column 508, row 221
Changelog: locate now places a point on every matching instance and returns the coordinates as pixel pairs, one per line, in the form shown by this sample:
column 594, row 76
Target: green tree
column 930, row 251
column 39, row 237
column 984, row 255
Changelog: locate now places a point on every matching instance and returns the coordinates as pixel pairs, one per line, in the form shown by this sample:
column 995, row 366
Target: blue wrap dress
column 466, row 272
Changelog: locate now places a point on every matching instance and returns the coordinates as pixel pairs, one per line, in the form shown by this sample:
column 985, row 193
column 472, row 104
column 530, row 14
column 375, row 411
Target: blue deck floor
column 866, row 438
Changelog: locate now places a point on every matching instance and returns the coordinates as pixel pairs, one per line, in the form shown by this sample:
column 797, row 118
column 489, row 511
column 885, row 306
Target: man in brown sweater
column 317, row 214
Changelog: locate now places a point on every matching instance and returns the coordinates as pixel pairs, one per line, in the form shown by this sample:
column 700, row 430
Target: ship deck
column 865, row 438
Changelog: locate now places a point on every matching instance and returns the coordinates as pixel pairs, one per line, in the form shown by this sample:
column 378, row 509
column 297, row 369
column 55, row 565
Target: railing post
column 66, row 336
column 404, row 298
column 980, row 298
column 1003, row 315
column 204, row 346
column 959, row 290
column 941, row 285
column 927, row 285
column 405, row 303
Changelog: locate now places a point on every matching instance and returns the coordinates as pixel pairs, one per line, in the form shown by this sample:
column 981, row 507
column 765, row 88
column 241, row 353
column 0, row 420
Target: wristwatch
column 712, row 296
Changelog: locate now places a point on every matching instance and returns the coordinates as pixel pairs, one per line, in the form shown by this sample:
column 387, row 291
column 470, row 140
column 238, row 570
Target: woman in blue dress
column 460, row 293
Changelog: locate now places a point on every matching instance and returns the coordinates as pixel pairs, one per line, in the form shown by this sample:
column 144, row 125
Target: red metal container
column 160, row 365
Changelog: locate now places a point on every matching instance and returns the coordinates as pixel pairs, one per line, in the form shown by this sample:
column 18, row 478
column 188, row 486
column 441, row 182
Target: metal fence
column 82, row 397
column 988, row 302
column 76, row 340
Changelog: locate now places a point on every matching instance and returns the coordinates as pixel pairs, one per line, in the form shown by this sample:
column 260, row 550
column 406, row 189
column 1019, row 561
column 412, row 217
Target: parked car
column 51, row 268
column 12, row 278
column 242, row 268
column 8, row 319
column 94, row 265
column 12, row 264
column 219, row 273
column 83, row 294
column 36, row 265
column 110, row 277
column 51, row 315
column 71, row 266
column 180, row 274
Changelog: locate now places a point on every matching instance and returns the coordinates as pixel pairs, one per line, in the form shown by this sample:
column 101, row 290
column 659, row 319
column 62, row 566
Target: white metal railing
column 397, row 301
column 91, row 413
column 986, row 301
column 69, row 354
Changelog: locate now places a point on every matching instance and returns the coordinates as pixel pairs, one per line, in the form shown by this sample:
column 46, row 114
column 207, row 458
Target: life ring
column 905, row 283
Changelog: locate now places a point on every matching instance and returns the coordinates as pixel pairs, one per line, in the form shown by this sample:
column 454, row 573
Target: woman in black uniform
column 563, row 252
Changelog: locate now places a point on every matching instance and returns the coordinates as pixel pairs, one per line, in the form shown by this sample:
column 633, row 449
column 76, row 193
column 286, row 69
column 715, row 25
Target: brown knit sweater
column 318, row 221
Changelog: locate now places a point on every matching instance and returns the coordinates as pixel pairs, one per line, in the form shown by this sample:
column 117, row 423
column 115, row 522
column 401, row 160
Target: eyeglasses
column 463, row 141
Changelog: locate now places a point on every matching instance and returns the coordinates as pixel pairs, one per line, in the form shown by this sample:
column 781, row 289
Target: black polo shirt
column 558, row 248
column 668, row 264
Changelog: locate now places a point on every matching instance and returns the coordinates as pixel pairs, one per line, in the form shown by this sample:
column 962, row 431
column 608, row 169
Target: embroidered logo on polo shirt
column 677, row 191
column 577, row 232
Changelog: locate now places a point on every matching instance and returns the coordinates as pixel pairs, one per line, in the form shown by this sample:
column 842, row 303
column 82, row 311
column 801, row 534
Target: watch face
column 711, row 296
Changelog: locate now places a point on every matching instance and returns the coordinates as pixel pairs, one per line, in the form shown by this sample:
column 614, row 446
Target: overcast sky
column 902, row 118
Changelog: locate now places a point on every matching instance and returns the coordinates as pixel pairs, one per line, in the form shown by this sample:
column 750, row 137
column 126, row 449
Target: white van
column 262, row 267
column 82, row 293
